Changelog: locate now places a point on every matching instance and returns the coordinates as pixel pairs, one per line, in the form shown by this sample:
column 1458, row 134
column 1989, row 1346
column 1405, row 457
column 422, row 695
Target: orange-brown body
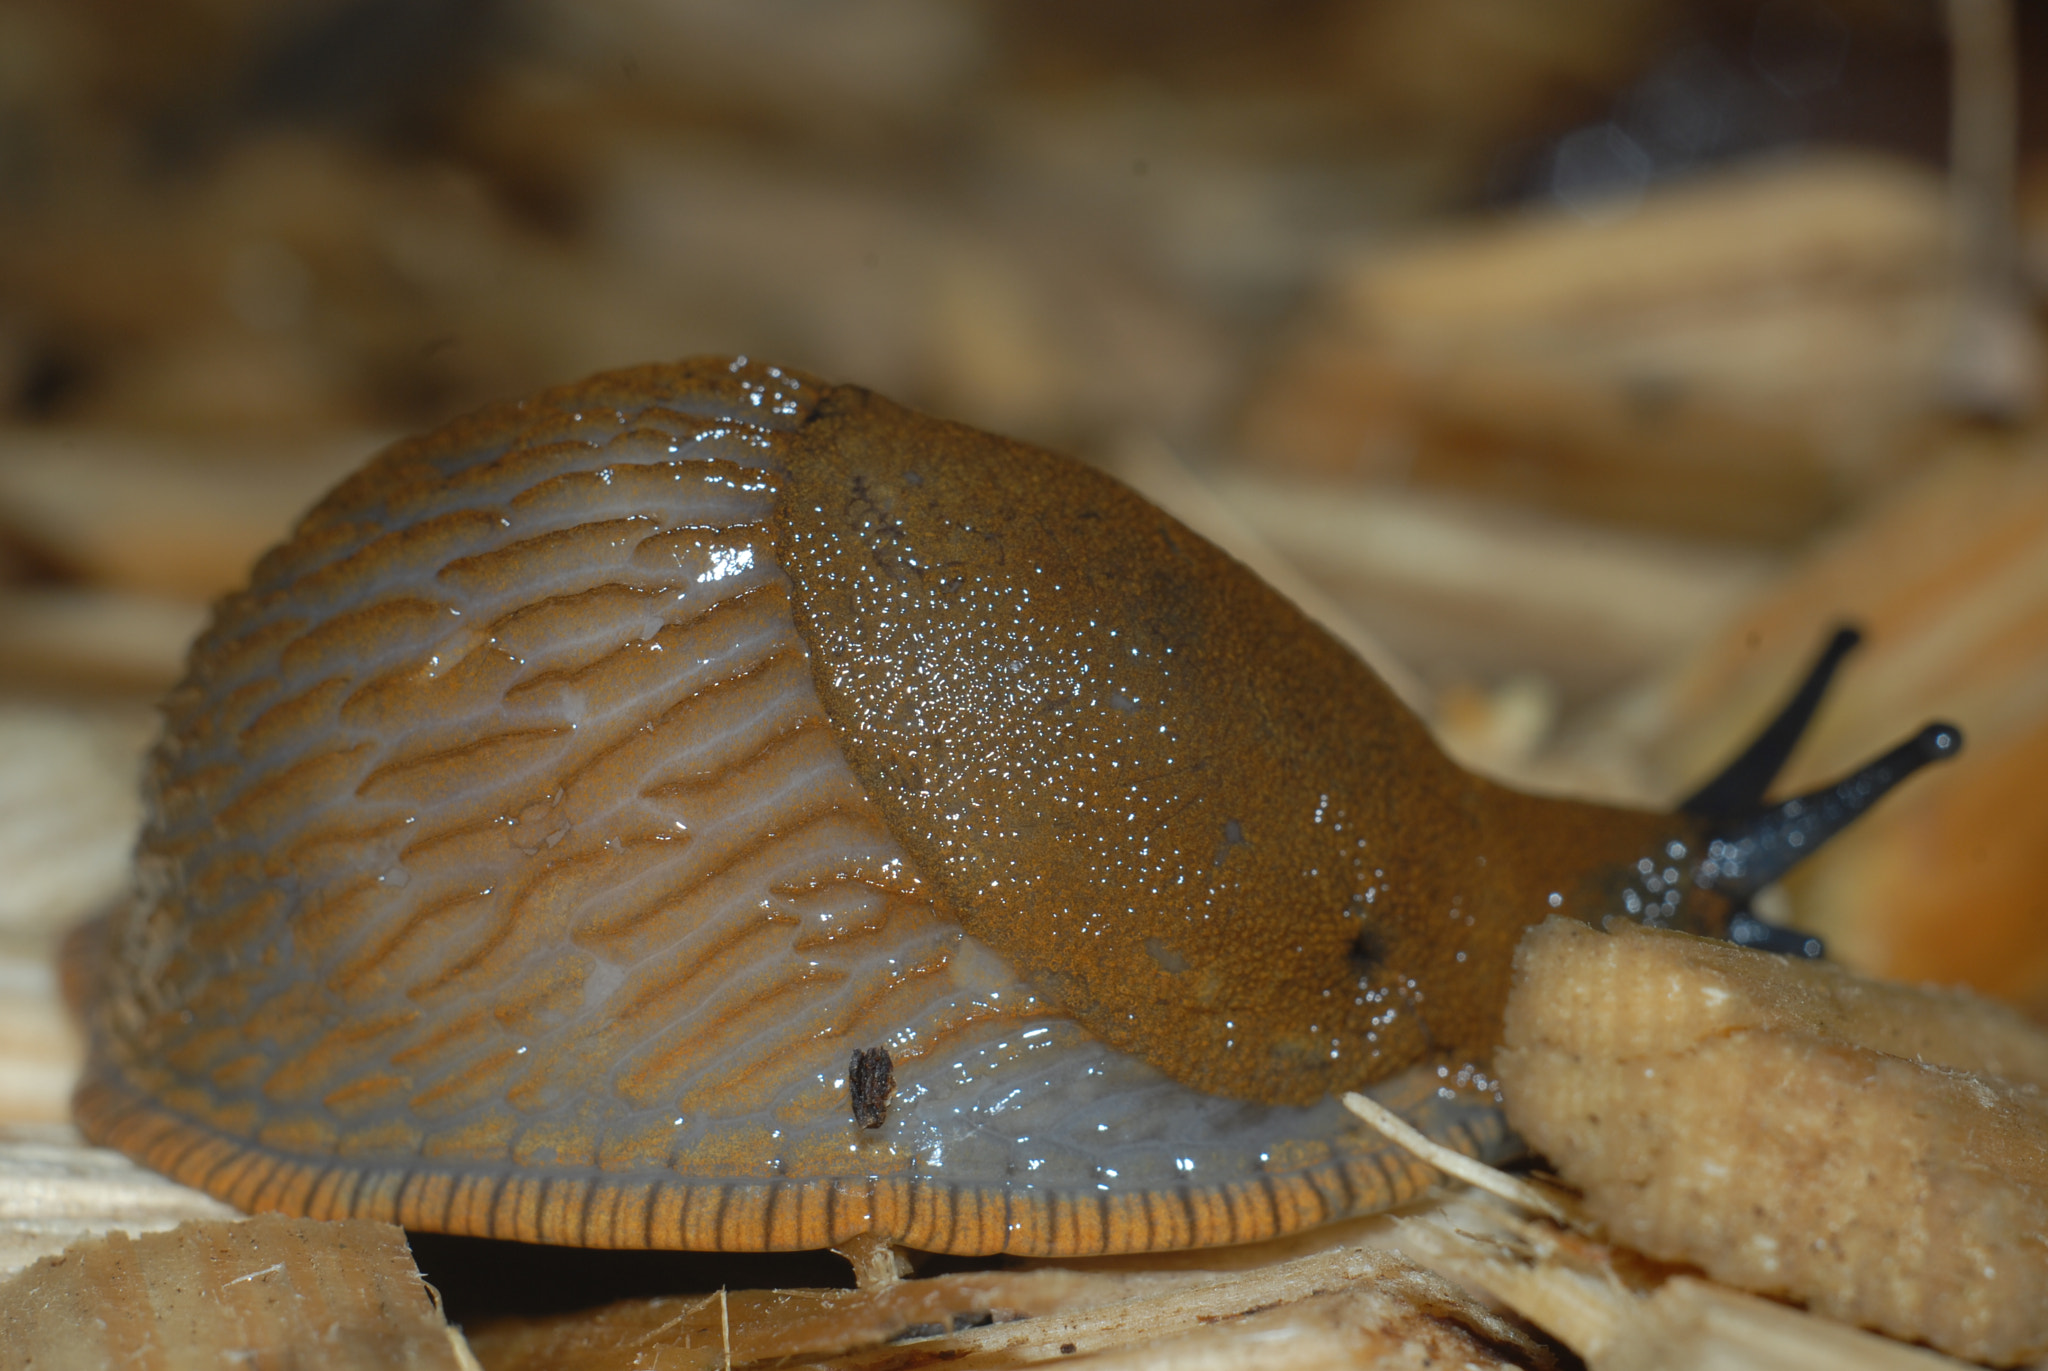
column 535, row 837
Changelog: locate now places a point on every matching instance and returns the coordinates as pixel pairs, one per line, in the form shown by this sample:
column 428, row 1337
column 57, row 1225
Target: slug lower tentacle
column 538, row 843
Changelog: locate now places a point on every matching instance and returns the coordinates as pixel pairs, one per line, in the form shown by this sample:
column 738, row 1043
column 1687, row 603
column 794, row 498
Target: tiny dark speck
column 1068, row 1349
column 870, row 1076
column 1368, row 950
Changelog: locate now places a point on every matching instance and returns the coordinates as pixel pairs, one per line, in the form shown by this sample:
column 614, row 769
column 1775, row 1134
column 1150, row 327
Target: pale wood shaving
column 170, row 518
column 1548, row 589
column 877, row 1263
column 1568, row 1283
column 1371, row 1327
column 41, row 1050
column 1750, row 235
column 1570, row 1288
column 114, row 642
column 69, row 809
column 1737, row 356
column 1394, row 1298
column 1346, row 1307
column 257, row 1292
column 763, row 1325
column 55, row 1191
column 1872, row 1151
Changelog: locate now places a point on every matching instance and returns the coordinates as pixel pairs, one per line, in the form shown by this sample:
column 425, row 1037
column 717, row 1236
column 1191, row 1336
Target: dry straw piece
column 1346, row 1308
column 1873, row 1151
column 1582, row 1292
column 1457, row 1165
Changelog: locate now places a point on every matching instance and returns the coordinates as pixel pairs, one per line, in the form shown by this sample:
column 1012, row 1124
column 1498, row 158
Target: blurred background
column 1582, row 364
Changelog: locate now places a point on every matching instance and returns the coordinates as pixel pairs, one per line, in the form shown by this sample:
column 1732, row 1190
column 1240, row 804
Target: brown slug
column 534, row 838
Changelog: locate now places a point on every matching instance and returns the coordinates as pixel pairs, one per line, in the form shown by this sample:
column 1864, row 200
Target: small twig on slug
column 1474, row 1173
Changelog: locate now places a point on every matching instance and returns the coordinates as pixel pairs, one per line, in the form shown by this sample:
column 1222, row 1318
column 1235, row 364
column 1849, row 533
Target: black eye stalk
column 1750, row 844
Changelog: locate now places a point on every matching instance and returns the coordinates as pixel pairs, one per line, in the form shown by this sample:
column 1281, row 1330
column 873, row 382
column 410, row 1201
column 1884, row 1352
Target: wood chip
column 1738, row 357
column 1453, row 584
column 1876, row 1152
column 1341, row 1308
column 267, row 1291
column 1588, row 1295
column 55, row 1190
column 102, row 642
column 757, row 1325
column 41, row 1050
column 69, row 811
column 151, row 514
